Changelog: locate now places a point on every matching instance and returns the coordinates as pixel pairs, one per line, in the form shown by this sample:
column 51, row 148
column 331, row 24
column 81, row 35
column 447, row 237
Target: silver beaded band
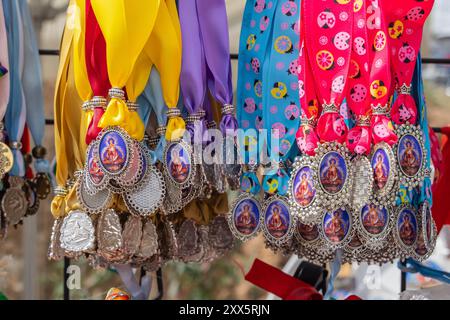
column 160, row 131
column 116, row 93
column 227, row 109
column 15, row 145
column 132, row 106
column 404, row 89
column 173, row 113
column 60, row 191
column 330, row 108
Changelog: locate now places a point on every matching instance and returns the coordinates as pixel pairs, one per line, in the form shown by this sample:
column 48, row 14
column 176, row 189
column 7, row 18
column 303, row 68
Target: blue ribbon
column 412, row 266
column 32, row 85
column 16, row 111
column 335, row 268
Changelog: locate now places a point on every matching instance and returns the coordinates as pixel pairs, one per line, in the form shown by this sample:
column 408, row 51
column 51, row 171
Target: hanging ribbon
column 165, row 52
column 16, row 112
column 359, row 137
column 4, row 62
column 412, row 266
column 193, row 68
column 330, row 21
column 306, row 136
column 406, row 20
column 380, row 75
column 97, row 71
column 32, row 86
column 280, row 84
column 126, row 28
column 214, row 30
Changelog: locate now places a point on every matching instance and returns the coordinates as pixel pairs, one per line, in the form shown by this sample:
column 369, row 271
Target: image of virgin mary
column 178, row 166
column 113, row 156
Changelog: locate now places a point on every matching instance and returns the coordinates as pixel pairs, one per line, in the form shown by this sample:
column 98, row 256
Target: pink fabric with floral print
column 328, row 39
column 406, row 19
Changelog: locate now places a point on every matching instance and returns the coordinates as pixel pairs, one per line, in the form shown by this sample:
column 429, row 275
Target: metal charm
column 374, row 224
column 173, row 200
column 77, row 233
column 93, row 204
column 384, row 168
column 15, row 202
column 95, row 178
column 55, row 252
column 406, row 230
column 178, row 163
column 6, row 159
column 354, row 250
column 337, row 228
column 109, row 236
column 309, row 242
column 278, row 224
column 134, row 170
column 220, row 235
column 411, row 154
column 146, row 199
column 42, row 185
column 33, row 199
column 362, row 182
column 132, row 236
column 187, row 240
column 335, row 179
column 303, row 191
column 149, row 242
column 244, row 218
column 115, row 151
column 167, row 240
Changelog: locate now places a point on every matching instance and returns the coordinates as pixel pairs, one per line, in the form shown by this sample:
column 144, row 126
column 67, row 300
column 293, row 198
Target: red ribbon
column 281, row 284
column 97, row 69
column 26, row 149
column 441, row 205
column 406, row 19
column 328, row 28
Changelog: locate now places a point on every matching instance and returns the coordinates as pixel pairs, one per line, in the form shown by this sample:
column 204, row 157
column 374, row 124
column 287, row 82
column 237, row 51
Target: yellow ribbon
column 164, row 49
column 126, row 26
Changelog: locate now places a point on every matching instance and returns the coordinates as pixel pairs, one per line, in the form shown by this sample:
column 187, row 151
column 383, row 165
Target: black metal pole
column 403, row 279
column 66, row 278
column 159, row 281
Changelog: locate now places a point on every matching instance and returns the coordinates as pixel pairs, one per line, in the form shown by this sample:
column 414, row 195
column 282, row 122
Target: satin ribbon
column 436, row 155
column 4, row 60
column 359, row 137
column 413, row 266
column 330, row 21
column 137, row 291
column 96, row 68
column 382, row 128
column 153, row 94
column 126, row 28
column 165, row 52
column 16, row 112
column 32, row 85
column 306, row 136
column 193, row 67
column 281, row 95
column 213, row 22
column 406, row 19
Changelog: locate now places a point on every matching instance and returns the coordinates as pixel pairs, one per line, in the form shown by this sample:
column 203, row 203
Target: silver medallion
column 134, row 170
column 220, row 235
column 406, row 230
column 278, row 224
column 55, row 252
column 337, row 228
column 146, row 199
column 94, row 176
column 149, row 242
column 93, row 204
column 384, row 169
column 109, row 236
column 411, row 154
column 15, row 201
column 115, row 151
column 374, row 224
column 179, row 166
column 167, row 240
column 187, row 240
column 132, row 235
column 244, row 218
column 77, row 232
column 303, row 191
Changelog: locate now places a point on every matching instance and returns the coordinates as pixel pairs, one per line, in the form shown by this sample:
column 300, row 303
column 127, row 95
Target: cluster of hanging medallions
column 360, row 181
column 137, row 193
column 24, row 172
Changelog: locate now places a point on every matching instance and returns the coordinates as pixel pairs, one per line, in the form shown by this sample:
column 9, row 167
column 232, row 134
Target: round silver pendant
column 149, row 196
column 95, row 177
column 303, row 192
column 278, row 224
column 93, row 204
column 335, row 178
column 362, row 182
column 374, row 224
column 337, row 228
column 245, row 217
column 411, row 154
column 178, row 163
column 406, row 229
column 77, row 232
column 15, row 201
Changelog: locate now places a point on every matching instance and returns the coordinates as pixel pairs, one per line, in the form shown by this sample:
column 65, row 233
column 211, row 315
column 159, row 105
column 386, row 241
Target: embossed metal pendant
column 43, row 185
column 406, row 230
column 220, row 235
column 187, row 240
column 55, row 252
column 6, row 159
column 149, row 242
column 278, row 224
column 178, row 163
column 411, row 154
column 362, row 182
column 173, row 200
column 309, row 243
column 132, row 236
column 426, row 240
column 149, row 197
column 335, row 178
column 77, row 232
column 14, row 201
column 167, row 240
column 354, row 250
column 109, row 236
column 245, row 217
column 303, row 191
column 134, row 170
column 33, row 199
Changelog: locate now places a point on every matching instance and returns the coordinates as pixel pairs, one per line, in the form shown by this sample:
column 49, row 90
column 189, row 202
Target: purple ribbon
column 213, row 21
column 193, row 67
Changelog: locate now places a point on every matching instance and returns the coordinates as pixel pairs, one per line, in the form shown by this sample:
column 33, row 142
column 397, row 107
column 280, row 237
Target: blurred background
column 25, row 272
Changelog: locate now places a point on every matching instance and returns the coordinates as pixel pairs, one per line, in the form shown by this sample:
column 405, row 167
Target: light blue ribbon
column 16, row 111
column 413, row 266
column 32, row 85
column 280, row 99
column 335, row 268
